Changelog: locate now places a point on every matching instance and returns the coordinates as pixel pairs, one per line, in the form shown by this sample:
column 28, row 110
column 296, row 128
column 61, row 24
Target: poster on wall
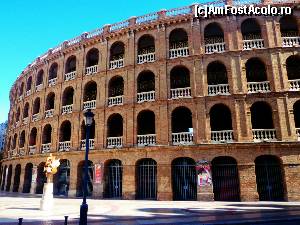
column 34, row 174
column 98, row 174
column 203, row 173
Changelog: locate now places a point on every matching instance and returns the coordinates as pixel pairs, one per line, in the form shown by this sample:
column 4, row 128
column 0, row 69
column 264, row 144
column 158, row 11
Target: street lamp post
column 88, row 116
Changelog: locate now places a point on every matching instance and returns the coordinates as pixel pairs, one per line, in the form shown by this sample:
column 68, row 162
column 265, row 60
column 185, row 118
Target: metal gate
column 226, row 184
column 80, row 178
column 41, row 179
column 184, row 179
column 61, row 179
column 146, row 179
column 27, row 178
column 113, row 179
column 269, row 178
column 17, row 178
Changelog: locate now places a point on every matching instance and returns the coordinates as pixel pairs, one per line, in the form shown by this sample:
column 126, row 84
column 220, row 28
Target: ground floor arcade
column 239, row 172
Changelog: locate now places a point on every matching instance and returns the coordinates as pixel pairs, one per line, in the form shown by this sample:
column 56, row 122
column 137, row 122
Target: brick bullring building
column 168, row 90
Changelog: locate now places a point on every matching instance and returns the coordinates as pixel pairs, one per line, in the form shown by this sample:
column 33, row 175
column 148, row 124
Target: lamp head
column 88, row 117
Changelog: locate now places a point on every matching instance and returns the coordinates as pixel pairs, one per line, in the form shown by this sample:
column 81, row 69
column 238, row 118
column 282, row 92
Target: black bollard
column 66, row 220
column 20, row 221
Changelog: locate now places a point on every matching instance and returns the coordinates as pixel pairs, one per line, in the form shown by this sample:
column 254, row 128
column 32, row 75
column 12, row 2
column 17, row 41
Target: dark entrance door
column 41, row 178
column 184, row 180
column 269, row 179
column 80, row 179
column 27, row 178
column 226, row 184
column 17, row 178
column 61, row 179
column 113, row 179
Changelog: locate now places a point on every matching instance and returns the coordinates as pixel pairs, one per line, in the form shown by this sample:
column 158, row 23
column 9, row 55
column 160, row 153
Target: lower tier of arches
column 259, row 172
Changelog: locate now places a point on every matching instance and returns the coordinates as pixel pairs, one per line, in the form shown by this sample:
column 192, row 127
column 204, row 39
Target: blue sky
column 29, row 28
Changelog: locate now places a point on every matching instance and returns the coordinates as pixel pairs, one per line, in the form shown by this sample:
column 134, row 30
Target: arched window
column 15, row 142
column 117, row 52
column 217, row 79
column 29, row 84
column 50, row 100
column 293, row 71
column 67, row 100
column 90, row 95
column 146, row 128
column 115, row 91
column 180, row 82
column 21, row 89
column 36, row 106
column 146, row 86
column 251, row 32
column 53, row 73
column 65, row 132
column 214, row 38
column 289, row 28
column 71, row 64
column 114, row 131
column 146, row 49
column 22, row 139
column 178, row 43
column 92, row 57
column 26, row 110
column 47, row 132
column 32, row 137
column 39, row 78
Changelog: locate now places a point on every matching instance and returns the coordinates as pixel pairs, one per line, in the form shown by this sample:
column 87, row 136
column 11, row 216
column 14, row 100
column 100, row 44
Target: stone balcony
column 264, row 135
column 146, row 140
column 64, row 146
column 222, row 136
column 253, row 44
column 258, row 87
column 146, row 96
column 182, row 138
column 114, row 142
column 117, row 100
column 181, row 93
column 91, row 70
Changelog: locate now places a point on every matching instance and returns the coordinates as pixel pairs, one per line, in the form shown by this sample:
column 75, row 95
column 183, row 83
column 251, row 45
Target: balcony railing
column 32, row 150
column 35, row 117
column 256, row 87
column 70, row 76
column 290, row 41
column 117, row 100
column 264, row 134
column 22, row 151
column 91, row 70
column 222, row 136
column 218, row 89
column 17, row 123
column 64, row 146
column 49, row 113
column 89, row 105
column 52, row 82
column 28, row 92
column 215, row 48
column 143, row 58
column 114, row 64
column 38, row 87
column 183, row 138
column 178, row 52
column 294, row 84
column 146, row 140
column 181, row 93
column 25, row 120
column 114, row 142
column 46, row 147
column 91, row 144
column 67, row 109
column 298, row 133
column 146, row 96
column 253, row 44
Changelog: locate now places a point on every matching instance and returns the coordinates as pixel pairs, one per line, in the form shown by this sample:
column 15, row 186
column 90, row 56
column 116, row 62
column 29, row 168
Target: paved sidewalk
column 147, row 212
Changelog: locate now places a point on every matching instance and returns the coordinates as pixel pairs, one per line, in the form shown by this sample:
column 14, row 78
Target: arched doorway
column 9, row 175
column 225, row 177
column 61, row 179
column 146, row 173
column 113, row 172
column 269, row 178
column 41, row 178
column 80, row 179
column 27, row 178
column 184, row 179
column 3, row 178
column 17, row 178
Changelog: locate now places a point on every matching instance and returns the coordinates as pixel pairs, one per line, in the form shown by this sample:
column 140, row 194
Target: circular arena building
column 170, row 93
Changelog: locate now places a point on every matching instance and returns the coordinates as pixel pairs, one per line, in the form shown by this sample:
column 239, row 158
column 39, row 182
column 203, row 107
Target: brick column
column 243, row 128
column 200, row 78
column 203, row 133
column 276, row 81
column 239, row 79
column 292, row 181
column 164, row 187
column 22, row 173
column 12, row 179
column 73, row 178
column 128, row 184
column 162, row 122
column 248, row 183
column 33, row 182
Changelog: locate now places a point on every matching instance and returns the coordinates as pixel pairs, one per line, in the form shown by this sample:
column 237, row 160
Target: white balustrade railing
column 28, row 92
column 253, row 44
column 178, row 11
column 52, row 82
column 114, row 142
column 298, row 133
column 146, row 140
column 39, row 87
column 20, row 98
column 181, row 93
column 147, row 18
column 118, row 100
column 49, row 113
column 64, row 146
column 67, row 109
column 294, row 84
column 119, row 25
column 22, row 151
column 35, row 117
column 70, row 76
column 256, row 87
column 218, row 89
column 94, row 33
column 290, row 41
column 91, row 70
column 264, row 134
column 118, row 63
column 183, row 138
column 215, row 48
column 91, row 144
column 146, row 96
column 148, row 57
column 17, row 123
column 178, row 52
column 74, row 41
column 89, row 105
column 222, row 136
column 46, row 147
column 25, row 120
column 32, row 149
column 14, row 152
